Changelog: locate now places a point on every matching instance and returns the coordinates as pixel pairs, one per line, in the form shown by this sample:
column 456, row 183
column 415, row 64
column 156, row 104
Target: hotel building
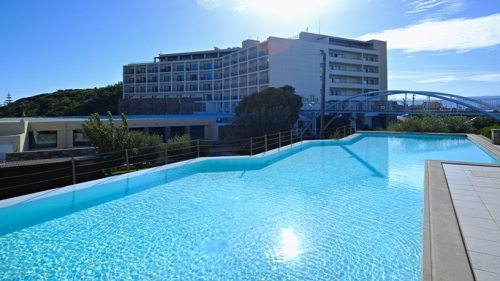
column 215, row 81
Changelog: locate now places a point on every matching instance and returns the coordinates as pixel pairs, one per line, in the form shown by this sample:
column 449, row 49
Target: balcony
column 252, row 83
column 252, row 69
column 263, row 80
column 226, row 87
column 217, row 66
column 263, row 66
column 252, row 56
column 234, row 85
column 234, row 73
column 243, row 71
column 226, row 75
column 243, row 84
column 166, row 70
column 234, row 61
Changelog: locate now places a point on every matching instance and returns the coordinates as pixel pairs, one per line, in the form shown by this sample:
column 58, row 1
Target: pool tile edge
column 444, row 256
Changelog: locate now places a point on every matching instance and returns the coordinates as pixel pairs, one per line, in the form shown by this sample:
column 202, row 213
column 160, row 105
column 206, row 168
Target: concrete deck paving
column 461, row 237
column 475, row 191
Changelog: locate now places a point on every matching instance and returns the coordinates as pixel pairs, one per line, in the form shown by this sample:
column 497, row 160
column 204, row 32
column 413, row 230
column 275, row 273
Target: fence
column 20, row 178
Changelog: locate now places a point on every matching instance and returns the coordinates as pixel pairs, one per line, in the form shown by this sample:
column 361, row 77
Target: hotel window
column 42, row 139
column 79, row 139
column 339, row 55
column 180, row 68
column 131, row 80
column 130, row 89
column 143, row 70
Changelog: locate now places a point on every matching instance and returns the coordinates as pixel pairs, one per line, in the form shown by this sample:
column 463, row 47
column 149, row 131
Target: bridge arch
column 474, row 104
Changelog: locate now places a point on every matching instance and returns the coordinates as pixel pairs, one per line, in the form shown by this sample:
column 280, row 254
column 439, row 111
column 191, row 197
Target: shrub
column 486, row 131
column 179, row 145
column 433, row 124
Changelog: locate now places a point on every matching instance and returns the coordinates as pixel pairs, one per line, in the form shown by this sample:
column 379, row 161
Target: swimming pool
column 323, row 210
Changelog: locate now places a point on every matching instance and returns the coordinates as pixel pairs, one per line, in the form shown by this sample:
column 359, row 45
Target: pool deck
column 461, row 238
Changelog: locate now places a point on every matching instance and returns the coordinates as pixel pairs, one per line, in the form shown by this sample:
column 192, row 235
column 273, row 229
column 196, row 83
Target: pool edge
column 444, row 256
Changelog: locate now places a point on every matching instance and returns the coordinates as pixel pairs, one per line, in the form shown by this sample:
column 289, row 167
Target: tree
column 109, row 141
column 269, row 111
column 70, row 102
column 8, row 100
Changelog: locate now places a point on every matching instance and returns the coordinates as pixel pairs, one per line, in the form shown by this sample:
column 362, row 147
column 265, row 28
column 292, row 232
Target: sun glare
column 290, row 243
column 283, row 8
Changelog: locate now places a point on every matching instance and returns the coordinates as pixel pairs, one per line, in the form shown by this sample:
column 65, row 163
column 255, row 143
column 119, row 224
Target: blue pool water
column 332, row 210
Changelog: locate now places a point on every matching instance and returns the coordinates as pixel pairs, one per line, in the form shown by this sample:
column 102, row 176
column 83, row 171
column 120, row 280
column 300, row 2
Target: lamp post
column 322, row 110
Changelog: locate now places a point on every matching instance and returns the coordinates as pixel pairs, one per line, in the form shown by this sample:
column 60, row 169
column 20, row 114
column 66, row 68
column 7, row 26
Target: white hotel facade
column 214, row 81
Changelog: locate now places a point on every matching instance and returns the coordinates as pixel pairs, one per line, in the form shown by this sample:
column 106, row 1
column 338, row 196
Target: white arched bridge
column 377, row 103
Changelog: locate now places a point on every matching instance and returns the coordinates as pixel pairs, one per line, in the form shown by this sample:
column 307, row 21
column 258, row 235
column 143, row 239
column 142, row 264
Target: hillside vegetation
column 72, row 102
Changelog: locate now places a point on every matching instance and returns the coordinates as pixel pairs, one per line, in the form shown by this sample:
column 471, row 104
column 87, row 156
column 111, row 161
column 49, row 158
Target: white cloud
column 460, row 35
column 442, row 79
column 492, row 77
column 434, row 9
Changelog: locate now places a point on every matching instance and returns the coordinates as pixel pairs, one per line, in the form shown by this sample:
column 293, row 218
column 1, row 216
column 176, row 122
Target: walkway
column 461, row 238
column 475, row 191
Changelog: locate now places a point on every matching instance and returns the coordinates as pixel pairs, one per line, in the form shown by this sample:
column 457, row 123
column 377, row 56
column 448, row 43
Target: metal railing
column 73, row 170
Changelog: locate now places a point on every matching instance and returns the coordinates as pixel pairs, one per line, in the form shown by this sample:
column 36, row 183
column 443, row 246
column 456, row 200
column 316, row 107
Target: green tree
column 269, row 111
column 8, row 100
column 109, row 140
column 70, row 102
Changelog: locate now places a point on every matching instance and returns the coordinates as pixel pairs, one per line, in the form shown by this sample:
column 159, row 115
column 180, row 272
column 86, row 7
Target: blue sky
column 450, row 46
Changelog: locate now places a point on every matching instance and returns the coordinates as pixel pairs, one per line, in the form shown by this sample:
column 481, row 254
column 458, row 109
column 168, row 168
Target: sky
column 449, row 46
